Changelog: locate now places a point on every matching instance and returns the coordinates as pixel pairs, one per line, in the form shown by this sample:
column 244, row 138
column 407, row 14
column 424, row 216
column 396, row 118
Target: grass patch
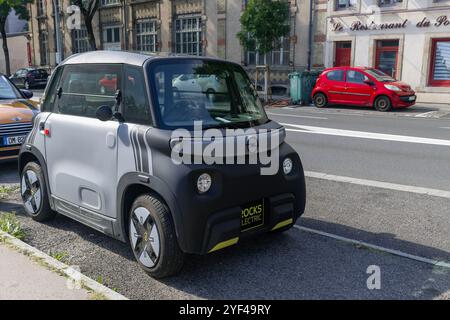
column 5, row 191
column 11, row 225
column 60, row 256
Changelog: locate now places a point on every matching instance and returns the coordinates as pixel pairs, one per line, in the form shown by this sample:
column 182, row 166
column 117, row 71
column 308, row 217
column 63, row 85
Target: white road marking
column 295, row 116
column 365, row 135
column 429, row 114
column 399, row 253
column 380, row 184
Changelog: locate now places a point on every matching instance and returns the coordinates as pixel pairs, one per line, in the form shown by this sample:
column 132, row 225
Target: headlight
column 391, row 87
column 287, row 166
column 204, row 183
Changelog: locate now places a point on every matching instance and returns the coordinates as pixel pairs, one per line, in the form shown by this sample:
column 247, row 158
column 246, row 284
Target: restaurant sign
column 442, row 21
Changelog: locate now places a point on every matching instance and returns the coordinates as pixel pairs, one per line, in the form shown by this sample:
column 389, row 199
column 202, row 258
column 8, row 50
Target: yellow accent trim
column 224, row 244
column 283, row 224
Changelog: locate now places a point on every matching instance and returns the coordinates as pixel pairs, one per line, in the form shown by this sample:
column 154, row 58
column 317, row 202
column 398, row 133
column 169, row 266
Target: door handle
column 42, row 130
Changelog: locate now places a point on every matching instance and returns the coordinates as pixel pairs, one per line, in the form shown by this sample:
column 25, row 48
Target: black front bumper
column 224, row 228
column 407, row 99
column 205, row 221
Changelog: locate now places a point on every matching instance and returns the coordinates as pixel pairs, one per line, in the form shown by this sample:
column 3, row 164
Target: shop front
column 409, row 43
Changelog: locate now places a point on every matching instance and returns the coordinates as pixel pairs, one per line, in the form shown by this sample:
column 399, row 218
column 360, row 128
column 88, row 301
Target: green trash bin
column 295, row 87
column 302, row 85
column 309, row 79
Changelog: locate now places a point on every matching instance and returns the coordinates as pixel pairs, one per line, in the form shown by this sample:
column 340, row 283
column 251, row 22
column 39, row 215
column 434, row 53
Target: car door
column 335, row 86
column 81, row 150
column 358, row 91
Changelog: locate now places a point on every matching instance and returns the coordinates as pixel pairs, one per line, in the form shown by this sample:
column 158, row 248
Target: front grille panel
column 15, row 129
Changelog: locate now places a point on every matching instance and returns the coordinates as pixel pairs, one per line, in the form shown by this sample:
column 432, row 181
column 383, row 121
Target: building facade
column 194, row 27
column 407, row 39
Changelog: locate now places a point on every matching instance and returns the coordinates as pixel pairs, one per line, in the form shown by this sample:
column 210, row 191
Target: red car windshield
column 379, row 75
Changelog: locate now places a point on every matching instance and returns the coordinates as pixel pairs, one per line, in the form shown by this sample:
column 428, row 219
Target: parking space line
column 295, row 116
column 364, row 135
column 376, row 247
column 428, row 114
column 380, row 184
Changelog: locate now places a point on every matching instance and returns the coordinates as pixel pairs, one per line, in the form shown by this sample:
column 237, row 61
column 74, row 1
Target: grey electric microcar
column 123, row 145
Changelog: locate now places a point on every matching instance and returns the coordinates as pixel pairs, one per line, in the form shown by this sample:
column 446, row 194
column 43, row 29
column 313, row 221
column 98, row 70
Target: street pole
column 58, row 54
column 310, row 35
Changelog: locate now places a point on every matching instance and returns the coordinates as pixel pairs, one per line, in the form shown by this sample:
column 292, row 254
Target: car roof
column 122, row 57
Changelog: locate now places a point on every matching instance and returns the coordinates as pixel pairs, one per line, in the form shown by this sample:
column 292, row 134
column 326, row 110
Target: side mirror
column 27, row 94
column 104, row 113
column 369, row 82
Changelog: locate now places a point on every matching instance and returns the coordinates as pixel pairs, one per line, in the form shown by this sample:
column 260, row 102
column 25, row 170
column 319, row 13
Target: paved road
column 300, row 264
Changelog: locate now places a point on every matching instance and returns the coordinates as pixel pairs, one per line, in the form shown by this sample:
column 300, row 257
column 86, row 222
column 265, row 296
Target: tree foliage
column 88, row 8
column 21, row 9
column 263, row 23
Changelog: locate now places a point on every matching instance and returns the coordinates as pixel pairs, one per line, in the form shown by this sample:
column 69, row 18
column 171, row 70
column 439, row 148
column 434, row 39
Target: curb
column 62, row 268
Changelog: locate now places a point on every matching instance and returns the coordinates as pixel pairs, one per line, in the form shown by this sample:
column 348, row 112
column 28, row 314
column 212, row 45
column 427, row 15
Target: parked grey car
column 105, row 158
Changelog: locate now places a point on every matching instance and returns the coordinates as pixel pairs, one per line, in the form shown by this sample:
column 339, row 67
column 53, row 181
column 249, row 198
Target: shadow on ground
column 294, row 265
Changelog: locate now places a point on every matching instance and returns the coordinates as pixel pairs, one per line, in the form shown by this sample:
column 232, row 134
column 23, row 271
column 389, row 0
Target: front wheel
column 383, row 104
column 34, row 193
column 153, row 238
column 320, row 100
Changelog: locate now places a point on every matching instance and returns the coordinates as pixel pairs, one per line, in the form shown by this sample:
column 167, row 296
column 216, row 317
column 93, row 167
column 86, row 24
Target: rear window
column 336, row 75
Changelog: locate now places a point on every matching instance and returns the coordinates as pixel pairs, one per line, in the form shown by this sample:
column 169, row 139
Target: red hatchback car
column 360, row 86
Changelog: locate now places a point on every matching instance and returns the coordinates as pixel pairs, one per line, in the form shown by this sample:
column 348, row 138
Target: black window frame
column 148, row 122
column 55, row 79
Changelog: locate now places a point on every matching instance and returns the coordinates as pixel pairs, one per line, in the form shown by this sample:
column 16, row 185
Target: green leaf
column 264, row 22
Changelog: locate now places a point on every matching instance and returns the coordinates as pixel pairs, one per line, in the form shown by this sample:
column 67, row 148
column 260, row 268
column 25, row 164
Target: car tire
column 153, row 239
column 320, row 100
column 383, row 104
column 26, row 85
column 33, row 191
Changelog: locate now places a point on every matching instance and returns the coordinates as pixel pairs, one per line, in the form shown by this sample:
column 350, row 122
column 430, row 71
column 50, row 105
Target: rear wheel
column 34, row 193
column 320, row 100
column 383, row 104
column 153, row 238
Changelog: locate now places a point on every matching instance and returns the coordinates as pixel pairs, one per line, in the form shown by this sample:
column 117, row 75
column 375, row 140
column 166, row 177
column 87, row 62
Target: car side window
column 50, row 95
column 135, row 103
column 85, row 88
column 354, row 76
column 336, row 75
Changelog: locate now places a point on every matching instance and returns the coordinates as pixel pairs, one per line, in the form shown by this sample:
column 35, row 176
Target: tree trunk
column 90, row 32
column 5, row 47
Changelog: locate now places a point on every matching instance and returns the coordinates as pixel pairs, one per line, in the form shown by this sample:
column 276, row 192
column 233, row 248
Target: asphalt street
column 410, row 148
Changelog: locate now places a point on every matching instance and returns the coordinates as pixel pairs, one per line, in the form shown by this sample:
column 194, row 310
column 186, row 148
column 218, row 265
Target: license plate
column 252, row 215
column 413, row 98
column 10, row 141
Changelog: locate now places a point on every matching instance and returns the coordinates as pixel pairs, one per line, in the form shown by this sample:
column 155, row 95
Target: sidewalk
column 24, row 279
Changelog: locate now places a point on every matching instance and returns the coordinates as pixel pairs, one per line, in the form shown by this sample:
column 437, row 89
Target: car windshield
column 7, row 90
column 218, row 94
column 380, row 75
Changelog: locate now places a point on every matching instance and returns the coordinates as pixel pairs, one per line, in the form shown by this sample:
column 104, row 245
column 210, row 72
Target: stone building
column 195, row 27
column 408, row 39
